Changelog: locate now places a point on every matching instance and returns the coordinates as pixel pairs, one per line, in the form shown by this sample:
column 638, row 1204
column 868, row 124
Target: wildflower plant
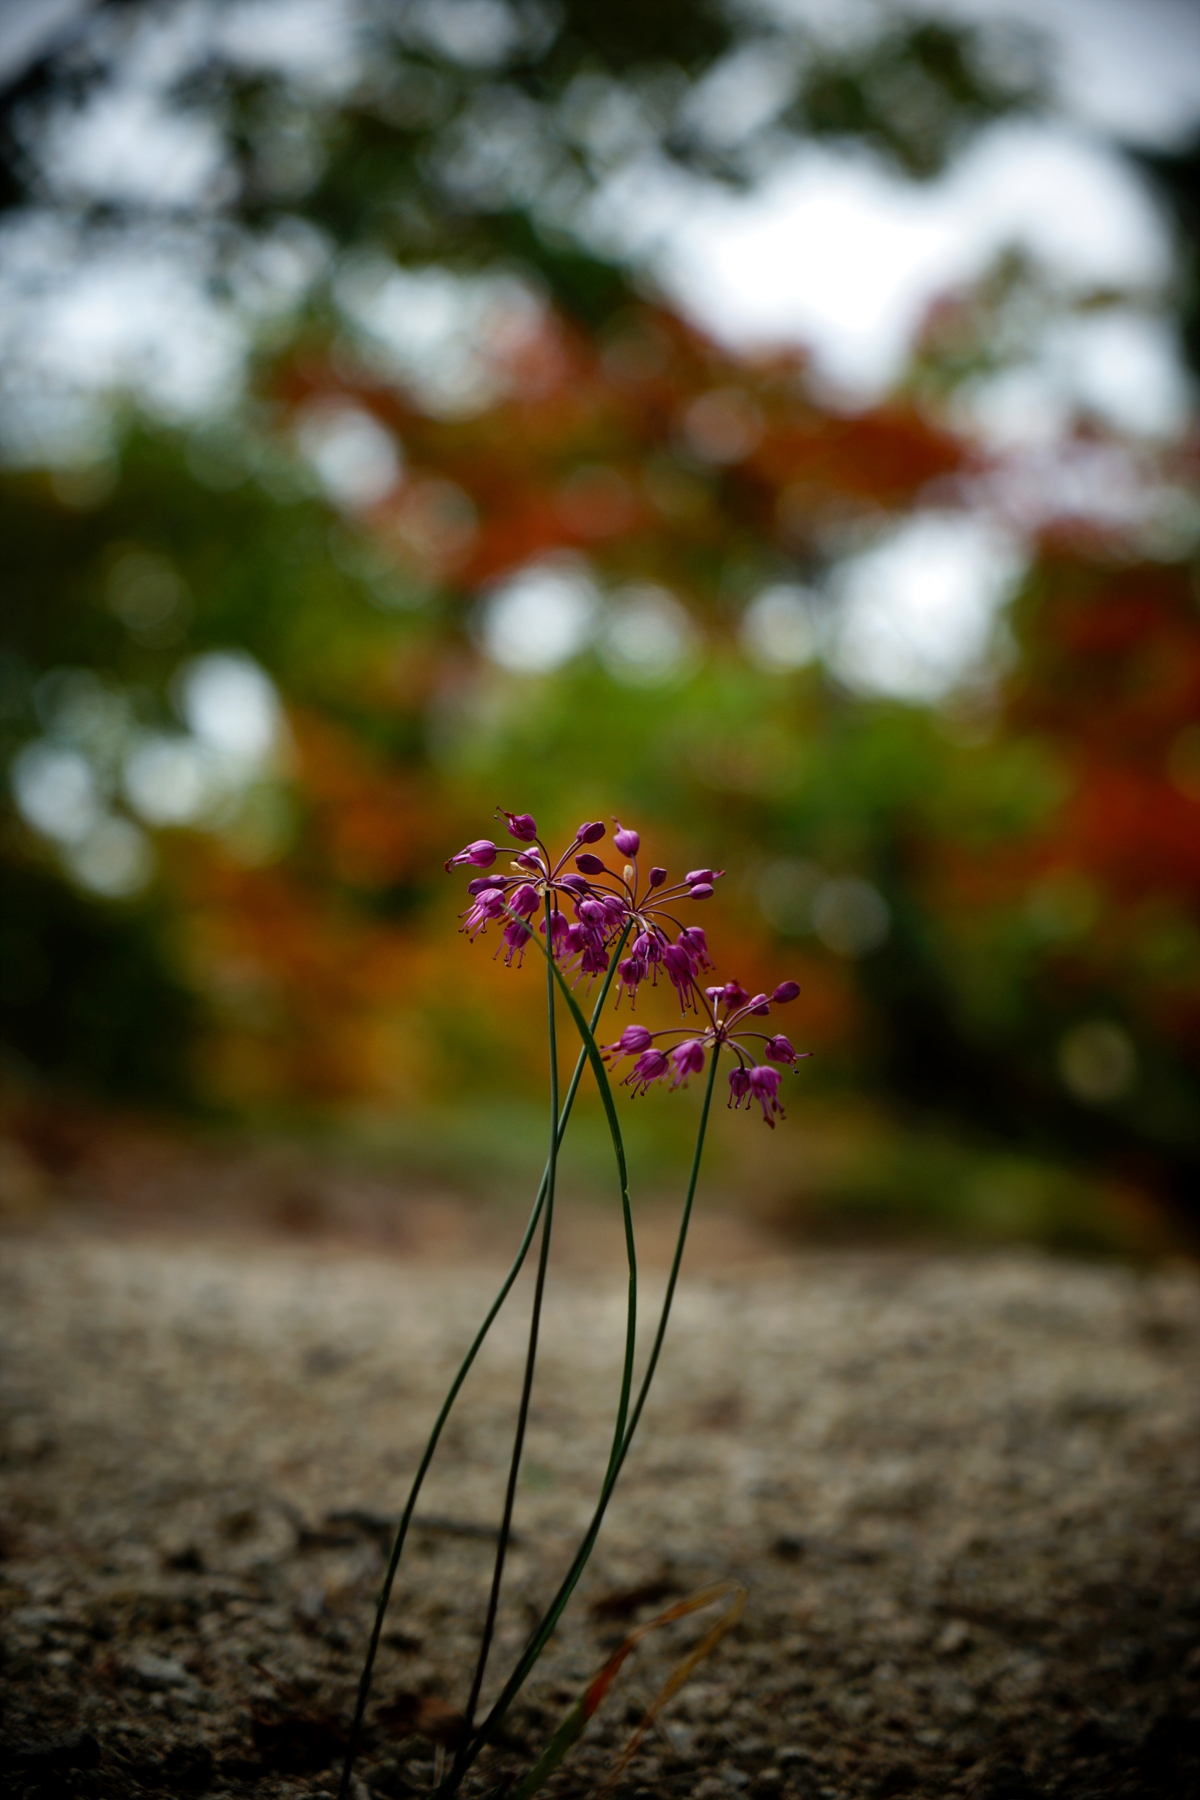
column 594, row 918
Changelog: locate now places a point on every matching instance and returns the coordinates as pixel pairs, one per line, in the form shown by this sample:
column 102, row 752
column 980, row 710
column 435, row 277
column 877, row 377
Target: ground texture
column 964, row 1495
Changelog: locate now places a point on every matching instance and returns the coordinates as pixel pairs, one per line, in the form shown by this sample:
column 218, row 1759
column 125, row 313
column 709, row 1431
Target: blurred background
column 770, row 421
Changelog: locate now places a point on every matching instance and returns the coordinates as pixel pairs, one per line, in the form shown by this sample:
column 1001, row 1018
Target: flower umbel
column 728, row 1010
column 592, row 906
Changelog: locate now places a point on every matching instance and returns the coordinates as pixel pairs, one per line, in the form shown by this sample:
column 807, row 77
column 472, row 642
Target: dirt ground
column 963, row 1492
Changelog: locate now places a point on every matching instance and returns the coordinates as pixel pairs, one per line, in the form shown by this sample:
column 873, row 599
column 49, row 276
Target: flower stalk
column 590, row 914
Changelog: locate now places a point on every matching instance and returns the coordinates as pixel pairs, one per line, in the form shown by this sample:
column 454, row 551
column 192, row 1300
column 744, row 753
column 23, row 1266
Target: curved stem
column 535, row 1320
column 554, row 1611
column 464, row 1368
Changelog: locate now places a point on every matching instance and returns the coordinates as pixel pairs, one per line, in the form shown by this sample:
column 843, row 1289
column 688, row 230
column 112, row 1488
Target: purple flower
column 704, row 876
column 588, row 864
column 677, row 965
column 656, row 877
column 787, row 990
column 627, row 842
column 594, row 959
column 632, row 973
column 701, row 890
column 729, row 1011
column 559, row 927
column 488, row 905
column 764, row 1087
column 481, row 883
column 650, row 1066
column 688, row 1058
column 521, row 825
column 590, row 834
column 516, row 935
column 482, row 853
column 524, row 901
column 693, row 940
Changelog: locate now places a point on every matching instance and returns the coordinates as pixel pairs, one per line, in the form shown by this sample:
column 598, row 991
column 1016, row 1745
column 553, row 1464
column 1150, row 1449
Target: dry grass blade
column 736, row 1593
column 589, row 1703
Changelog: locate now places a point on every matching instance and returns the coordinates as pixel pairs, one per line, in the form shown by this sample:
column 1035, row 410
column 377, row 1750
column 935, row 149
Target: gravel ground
column 963, row 1492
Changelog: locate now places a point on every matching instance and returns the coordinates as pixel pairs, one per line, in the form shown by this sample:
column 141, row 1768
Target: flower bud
column 589, row 864
column 632, row 1041
column 760, row 1006
column 702, row 890
column 627, row 842
column 707, row 875
column 657, row 877
column 522, row 826
column 780, row 1050
column 483, row 882
column 482, row 853
column 735, row 994
column 590, row 834
column 787, row 990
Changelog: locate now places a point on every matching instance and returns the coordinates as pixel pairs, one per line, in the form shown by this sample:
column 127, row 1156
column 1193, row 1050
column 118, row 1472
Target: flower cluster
column 593, row 906
column 728, row 1011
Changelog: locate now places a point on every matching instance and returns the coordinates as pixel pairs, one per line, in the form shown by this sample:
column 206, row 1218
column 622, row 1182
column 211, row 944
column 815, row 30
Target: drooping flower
column 522, row 826
column 764, row 1087
column 627, row 842
column 516, row 935
column 688, row 1059
column 652, row 1065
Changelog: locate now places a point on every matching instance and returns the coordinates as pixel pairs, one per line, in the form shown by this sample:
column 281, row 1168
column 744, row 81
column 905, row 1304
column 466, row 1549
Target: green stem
column 464, row 1368
column 550, row 1618
column 535, row 1320
column 591, row 1049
